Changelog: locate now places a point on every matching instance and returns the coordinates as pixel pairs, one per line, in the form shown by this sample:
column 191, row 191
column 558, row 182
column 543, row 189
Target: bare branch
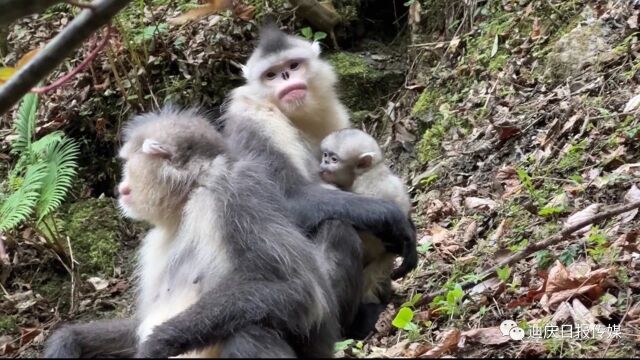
column 531, row 249
column 54, row 53
column 11, row 10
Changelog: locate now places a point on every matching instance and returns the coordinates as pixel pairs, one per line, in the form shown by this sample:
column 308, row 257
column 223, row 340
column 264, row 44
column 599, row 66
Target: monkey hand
column 160, row 344
column 409, row 252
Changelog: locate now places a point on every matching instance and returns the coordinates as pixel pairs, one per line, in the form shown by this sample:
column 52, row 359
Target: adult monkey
column 287, row 107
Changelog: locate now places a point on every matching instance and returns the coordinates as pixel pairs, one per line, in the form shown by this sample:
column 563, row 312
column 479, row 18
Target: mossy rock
column 95, row 229
column 8, row 324
column 589, row 44
column 361, row 85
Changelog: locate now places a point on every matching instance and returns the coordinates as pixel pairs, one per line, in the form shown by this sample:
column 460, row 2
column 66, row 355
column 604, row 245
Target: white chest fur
column 177, row 267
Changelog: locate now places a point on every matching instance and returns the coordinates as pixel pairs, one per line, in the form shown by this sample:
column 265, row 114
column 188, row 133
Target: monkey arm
column 105, row 338
column 313, row 204
column 226, row 309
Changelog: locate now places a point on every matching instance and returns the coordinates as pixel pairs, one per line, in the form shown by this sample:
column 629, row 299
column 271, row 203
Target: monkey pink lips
column 293, row 92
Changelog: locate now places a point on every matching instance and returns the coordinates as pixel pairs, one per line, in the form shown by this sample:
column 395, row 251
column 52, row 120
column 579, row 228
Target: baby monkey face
column 337, row 171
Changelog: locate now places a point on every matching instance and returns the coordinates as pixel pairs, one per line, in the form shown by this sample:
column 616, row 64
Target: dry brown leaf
column 489, row 285
column 565, row 295
column 500, row 231
column 449, row 342
column 98, row 283
column 486, row 336
column 415, row 9
column 562, row 314
column 244, row 11
column 397, row 350
column 482, row 204
column 470, row 232
column 582, row 215
column 560, row 278
column 212, row 6
column 26, row 58
column 415, row 350
column 535, row 29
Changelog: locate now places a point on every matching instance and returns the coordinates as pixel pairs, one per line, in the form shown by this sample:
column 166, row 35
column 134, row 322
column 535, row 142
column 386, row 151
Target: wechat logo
column 511, row 329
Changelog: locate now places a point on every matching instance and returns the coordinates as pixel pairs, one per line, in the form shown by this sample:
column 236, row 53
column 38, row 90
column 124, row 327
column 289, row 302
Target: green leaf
column 25, row 124
column 343, row 345
column 19, row 205
column 547, row 211
column 307, row 33
column 404, row 317
column 455, row 296
column 411, row 327
column 424, row 248
column 319, row 36
column 504, row 273
column 39, row 146
column 411, row 303
column 60, row 159
column 494, row 49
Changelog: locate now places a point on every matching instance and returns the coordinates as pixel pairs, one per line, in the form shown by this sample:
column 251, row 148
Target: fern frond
column 60, row 159
column 19, row 205
column 25, row 123
column 41, row 145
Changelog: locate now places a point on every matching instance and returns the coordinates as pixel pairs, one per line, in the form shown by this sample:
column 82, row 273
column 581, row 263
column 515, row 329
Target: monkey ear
column 245, row 71
column 315, row 46
column 152, row 147
column 365, row 160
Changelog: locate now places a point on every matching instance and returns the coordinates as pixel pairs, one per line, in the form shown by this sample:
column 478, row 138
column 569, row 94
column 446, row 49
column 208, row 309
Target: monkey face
column 287, row 82
column 335, row 170
column 151, row 188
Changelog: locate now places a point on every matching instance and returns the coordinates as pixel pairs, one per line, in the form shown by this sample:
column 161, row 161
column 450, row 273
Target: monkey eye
column 334, row 159
column 294, row 65
column 270, row 75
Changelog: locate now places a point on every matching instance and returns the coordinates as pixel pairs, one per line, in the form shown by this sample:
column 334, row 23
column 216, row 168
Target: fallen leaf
column 582, row 215
column 449, row 342
column 26, row 58
column 535, row 29
column 500, row 231
column 581, row 315
column 486, row 336
column 482, row 204
column 560, row 278
column 490, row 285
column 565, row 295
column 470, row 232
column 415, row 9
column 559, row 201
column 562, row 314
column 632, row 104
column 98, row 283
column 212, row 6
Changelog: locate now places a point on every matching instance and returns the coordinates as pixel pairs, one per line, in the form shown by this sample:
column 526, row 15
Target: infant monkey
column 353, row 161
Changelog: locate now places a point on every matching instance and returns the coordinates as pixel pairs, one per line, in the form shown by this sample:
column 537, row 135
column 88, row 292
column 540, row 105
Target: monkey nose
column 123, row 189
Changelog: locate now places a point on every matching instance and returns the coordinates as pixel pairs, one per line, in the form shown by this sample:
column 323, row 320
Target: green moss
column 429, row 145
column 8, row 324
column 498, row 62
column 361, row 86
column 428, row 100
column 573, row 158
column 94, row 227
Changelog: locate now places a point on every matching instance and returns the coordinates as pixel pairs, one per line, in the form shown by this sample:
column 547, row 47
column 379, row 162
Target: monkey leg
column 365, row 320
column 106, row 338
column 256, row 342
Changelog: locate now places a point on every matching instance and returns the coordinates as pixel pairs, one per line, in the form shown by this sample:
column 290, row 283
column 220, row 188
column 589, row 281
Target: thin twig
column 57, row 50
column 94, row 53
column 529, row 250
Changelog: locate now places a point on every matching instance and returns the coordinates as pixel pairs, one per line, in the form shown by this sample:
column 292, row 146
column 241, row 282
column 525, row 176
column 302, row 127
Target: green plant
column 596, row 244
column 308, row 34
column 504, row 273
column 450, row 303
column 40, row 179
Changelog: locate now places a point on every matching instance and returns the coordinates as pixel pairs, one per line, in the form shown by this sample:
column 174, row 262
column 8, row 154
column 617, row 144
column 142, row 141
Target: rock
column 364, row 82
column 590, row 43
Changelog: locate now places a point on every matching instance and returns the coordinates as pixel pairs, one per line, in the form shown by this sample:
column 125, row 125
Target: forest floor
column 508, row 128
